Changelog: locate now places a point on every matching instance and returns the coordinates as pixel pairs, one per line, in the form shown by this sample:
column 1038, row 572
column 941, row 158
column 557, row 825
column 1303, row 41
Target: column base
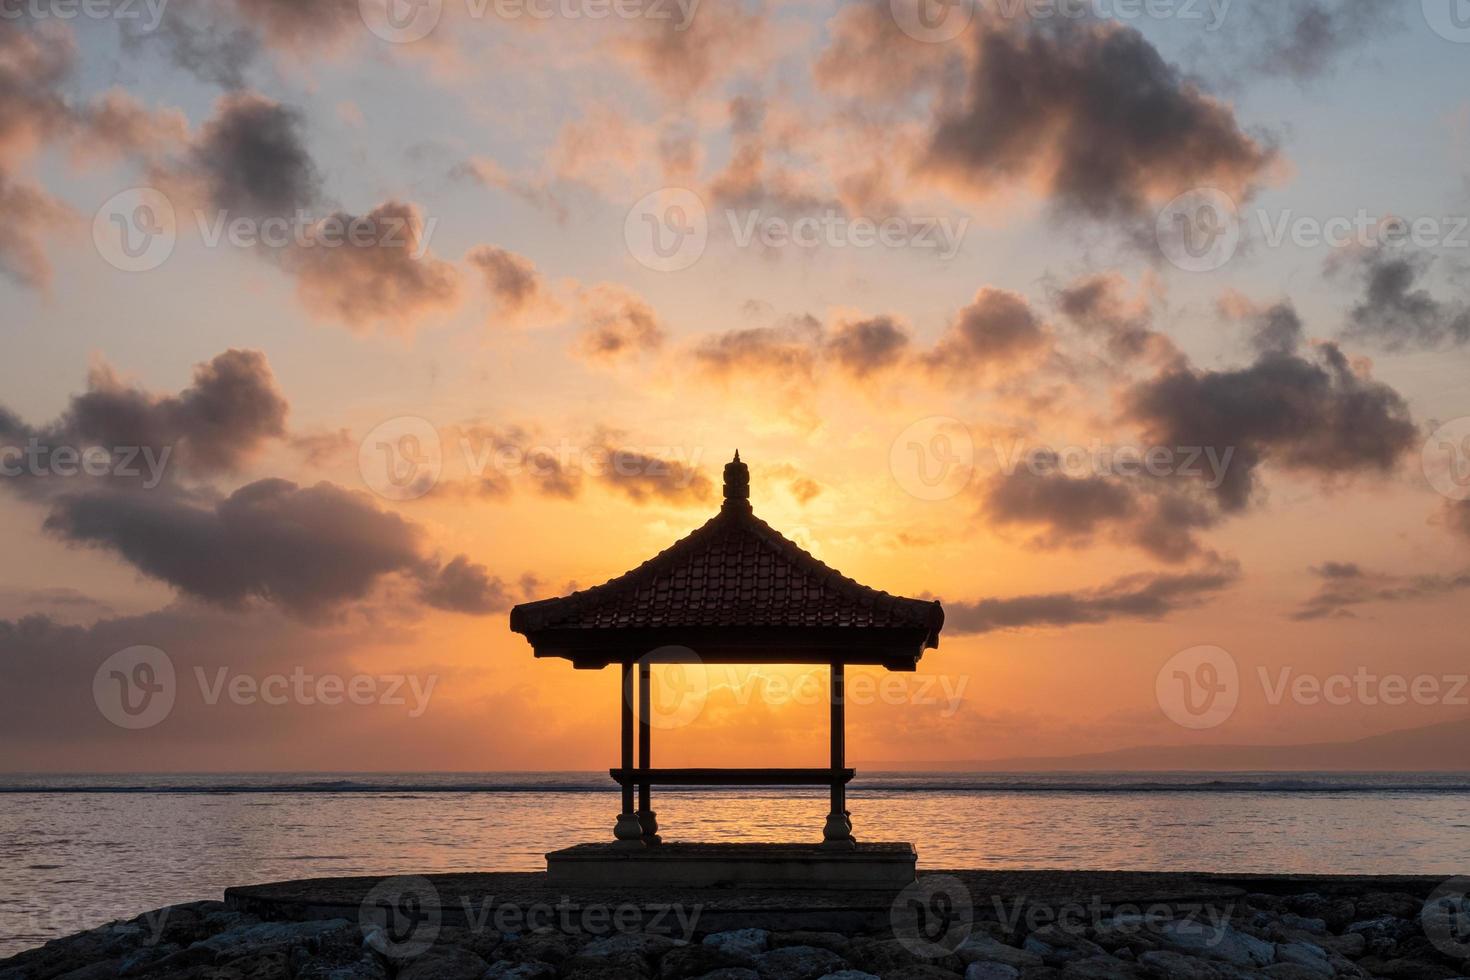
column 628, row 831
column 648, row 822
column 837, row 834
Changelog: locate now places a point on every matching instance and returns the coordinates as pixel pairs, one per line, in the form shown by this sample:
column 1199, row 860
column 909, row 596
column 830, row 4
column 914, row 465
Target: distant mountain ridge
column 1444, row 747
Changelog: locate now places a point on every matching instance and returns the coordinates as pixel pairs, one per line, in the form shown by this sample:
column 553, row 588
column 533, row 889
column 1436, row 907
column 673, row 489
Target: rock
column 742, row 942
column 850, row 975
column 550, row 947
column 1293, row 921
column 682, row 962
column 916, row 971
column 484, row 943
column 365, row 968
column 624, row 965
column 266, row 936
column 1402, row 969
column 1175, row 966
column 529, row 970
column 1335, row 912
column 797, row 963
column 979, row 949
column 991, row 971
column 1291, row 971
column 260, row 966
column 1305, row 954
column 444, row 963
column 885, row 956
column 731, row 973
column 1057, row 946
column 1400, row 905
column 647, row 945
column 1217, row 942
column 143, row 957
column 835, row 941
column 1381, row 934
column 1102, row 968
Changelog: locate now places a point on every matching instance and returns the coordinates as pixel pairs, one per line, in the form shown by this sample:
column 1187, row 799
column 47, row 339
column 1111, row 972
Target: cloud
column 252, row 160
column 388, row 277
column 998, row 328
column 1317, row 416
column 645, row 478
column 306, row 549
column 1346, row 586
column 682, row 56
column 1395, row 315
column 1074, row 511
column 1097, row 306
column 1303, row 39
column 324, row 448
column 1146, row 597
column 1091, row 114
column 30, row 215
column 865, row 347
column 512, row 280
column 232, row 408
column 467, row 587
column 618, row 324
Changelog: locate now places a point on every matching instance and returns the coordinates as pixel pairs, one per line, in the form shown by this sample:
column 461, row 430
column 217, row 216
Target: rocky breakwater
column 934, row 934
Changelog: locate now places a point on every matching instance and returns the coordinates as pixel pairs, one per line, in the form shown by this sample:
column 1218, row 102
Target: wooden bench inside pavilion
column 734, row 591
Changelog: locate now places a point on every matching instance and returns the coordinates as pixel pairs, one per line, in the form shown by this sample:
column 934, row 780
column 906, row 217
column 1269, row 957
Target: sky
column 1135, row 333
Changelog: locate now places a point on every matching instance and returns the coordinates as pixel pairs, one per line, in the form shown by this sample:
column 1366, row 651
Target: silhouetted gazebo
column 735, row 591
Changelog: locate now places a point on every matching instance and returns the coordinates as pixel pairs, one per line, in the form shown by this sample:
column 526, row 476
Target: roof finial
column 737, row 482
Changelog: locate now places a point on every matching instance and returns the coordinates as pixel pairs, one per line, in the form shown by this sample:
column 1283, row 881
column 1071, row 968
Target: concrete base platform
column 868, row 867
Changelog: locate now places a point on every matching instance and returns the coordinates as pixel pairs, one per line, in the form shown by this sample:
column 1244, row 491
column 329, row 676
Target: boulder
column 547, row 947
column 1057, row 946
column 1400, row 905
column 983, row 949
column 742, row 942
column 731, row 973
column 528, row 970
column 1217, row 942
column 1102, row 968
column 444, row 963
column 1311, row 956
column 991, row 971
column 1168, row 964
column 797, row 963
column 850, row 975
column 259, row 937
column 835, row 941
column 683, row 962
column 646, row 945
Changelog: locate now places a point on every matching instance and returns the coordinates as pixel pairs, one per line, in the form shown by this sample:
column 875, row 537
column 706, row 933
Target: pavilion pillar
column 629, row 832
column 837, row 834
column 647, row 819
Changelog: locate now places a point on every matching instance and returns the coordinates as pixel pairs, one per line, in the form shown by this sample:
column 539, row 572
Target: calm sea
column 78, row 850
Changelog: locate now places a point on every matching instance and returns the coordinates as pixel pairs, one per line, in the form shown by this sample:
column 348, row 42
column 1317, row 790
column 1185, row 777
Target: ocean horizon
column 80, row 849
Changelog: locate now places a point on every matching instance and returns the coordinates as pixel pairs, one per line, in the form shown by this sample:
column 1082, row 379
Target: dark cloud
column 306, row 549
column 386, row 277
column 644, row 478
column 1276, row 330
column 997, row 329
column 1316, row 416
column 788, row 349
column 618, row 325
column 1097, row 306
column 1347, row 586
column 232, row 408
column 1142, row 596
column 510, row 278
column 324, row 448
column 864, row 347
column 1075, row 511
column 252, row 159
column 1303, row 39
column 1091, row 112
column 1396, row 315
column 203, row 40
column 684, row 57
column 466, row 587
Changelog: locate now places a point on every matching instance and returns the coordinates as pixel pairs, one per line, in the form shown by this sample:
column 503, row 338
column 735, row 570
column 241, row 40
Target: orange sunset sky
column 594, row 298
